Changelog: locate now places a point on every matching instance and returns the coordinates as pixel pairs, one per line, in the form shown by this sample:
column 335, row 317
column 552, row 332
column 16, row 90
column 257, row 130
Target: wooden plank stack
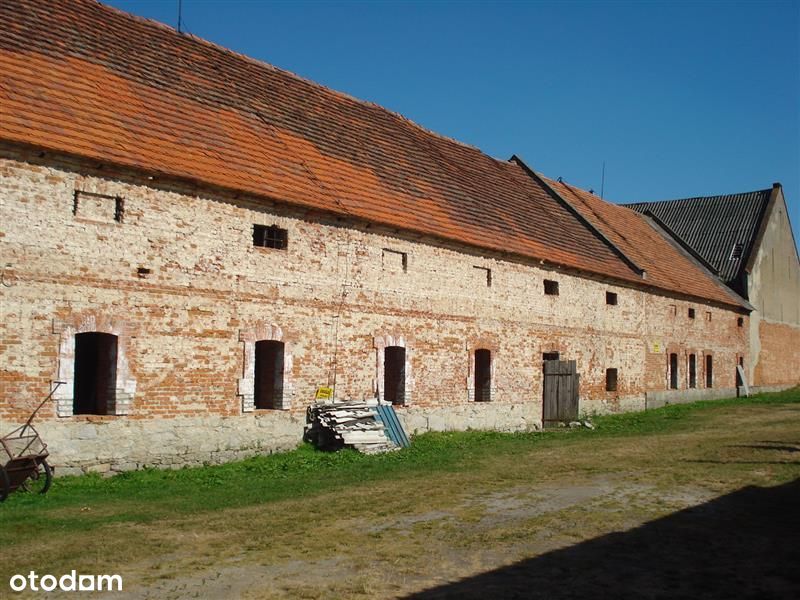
column 347, row 424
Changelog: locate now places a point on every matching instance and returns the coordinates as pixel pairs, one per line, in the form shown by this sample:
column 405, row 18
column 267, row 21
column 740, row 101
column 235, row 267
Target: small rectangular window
column 270, row 237
column 550, row 287
column 611, row 298
column 673, row 310
column 98, row 207
column 550, row 356
column 611, row 380
column 394, row 261
column 708, row 315
column 691, row 313
column 485, row 274
column 740, row 322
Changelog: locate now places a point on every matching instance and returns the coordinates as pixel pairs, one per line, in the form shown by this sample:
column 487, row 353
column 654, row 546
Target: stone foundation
column 111, row 445
column 662, row 398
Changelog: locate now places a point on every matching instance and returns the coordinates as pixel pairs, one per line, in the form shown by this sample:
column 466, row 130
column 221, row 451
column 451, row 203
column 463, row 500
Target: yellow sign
column 324, row 393
column 656, row 347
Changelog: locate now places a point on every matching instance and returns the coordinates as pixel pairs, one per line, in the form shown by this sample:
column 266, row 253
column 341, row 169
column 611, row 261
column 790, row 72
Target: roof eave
column 735, row 298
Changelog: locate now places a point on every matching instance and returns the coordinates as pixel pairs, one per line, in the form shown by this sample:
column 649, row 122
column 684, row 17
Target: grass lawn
column 453, row 506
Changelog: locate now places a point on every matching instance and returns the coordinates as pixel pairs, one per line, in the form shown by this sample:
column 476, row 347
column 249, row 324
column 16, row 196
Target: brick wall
column 779, row 359
column 172, row 270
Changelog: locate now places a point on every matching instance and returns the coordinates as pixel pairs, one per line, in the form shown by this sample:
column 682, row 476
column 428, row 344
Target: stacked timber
column 347, row 424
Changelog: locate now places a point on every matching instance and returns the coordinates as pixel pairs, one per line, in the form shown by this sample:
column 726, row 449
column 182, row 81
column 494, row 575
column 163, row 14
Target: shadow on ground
column 742, row 545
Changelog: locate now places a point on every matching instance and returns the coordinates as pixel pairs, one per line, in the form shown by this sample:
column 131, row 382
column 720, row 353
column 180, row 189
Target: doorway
column 483, row 375
column 268, row 393
column 95, row 385
column 394, row 374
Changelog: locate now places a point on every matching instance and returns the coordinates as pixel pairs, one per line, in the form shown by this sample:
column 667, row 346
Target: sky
column 679, row 99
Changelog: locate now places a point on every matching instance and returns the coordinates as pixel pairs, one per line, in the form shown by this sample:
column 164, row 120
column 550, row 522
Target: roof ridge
column 265, row 64
column 643, row 202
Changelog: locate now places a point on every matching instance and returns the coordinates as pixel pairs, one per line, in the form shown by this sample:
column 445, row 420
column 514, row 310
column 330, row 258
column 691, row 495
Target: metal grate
column 270, row 237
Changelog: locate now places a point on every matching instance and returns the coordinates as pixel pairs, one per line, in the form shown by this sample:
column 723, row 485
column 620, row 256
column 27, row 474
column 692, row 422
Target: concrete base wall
column 485, row 416
column 768, row 389
column 662, row 398
column 110, row 445
column 113, row 445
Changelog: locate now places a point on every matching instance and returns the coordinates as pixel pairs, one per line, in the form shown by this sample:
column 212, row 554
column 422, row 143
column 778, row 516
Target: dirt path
column 709, row 513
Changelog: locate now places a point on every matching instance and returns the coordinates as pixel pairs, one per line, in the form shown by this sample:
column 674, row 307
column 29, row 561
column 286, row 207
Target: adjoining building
column 195, row 241
column 747, row 240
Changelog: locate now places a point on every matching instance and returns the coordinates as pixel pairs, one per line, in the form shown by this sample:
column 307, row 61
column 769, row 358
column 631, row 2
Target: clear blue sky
column 679, row 98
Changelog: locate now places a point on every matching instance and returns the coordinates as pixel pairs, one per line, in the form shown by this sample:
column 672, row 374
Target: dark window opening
column 550, row 287
column 691, row 313
column 394, row 375
column 550, row 356
column 270, row 237
column 611, row 380
column 95, row 387
column 483, row 375
column 740, row 322
column 673, row 371
column 268, row 391
column 692, row 371
column 611, row 298
column 709, row 371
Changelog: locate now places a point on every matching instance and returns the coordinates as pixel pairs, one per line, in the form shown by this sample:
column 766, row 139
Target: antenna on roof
column 180, row 6
column 603, row 180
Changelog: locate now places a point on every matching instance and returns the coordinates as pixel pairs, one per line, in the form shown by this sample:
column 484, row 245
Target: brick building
column 194, row 241
column 747, row 241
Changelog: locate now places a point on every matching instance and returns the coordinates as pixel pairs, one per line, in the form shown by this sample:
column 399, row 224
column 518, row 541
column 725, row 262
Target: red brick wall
column 779, row 359
column 183, row 321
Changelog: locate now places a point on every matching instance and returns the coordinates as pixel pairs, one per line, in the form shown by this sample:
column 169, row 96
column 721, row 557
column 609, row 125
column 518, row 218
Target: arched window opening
column 394, row 375
column 692, row 371
column 483, row 375
column 268, row 393
column 95, row 381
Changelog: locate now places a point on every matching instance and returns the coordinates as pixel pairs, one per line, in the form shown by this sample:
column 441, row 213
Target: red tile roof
column 89, row 80
column 667, row 267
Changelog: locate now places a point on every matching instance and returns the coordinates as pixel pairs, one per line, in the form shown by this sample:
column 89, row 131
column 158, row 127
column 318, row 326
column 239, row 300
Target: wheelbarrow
column 27, row 468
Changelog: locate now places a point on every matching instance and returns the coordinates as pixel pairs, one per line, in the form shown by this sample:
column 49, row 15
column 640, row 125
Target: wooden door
column 561, row 386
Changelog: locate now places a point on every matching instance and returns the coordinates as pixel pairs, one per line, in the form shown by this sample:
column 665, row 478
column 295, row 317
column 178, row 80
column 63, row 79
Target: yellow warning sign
column 324, row 393
column 656, row 348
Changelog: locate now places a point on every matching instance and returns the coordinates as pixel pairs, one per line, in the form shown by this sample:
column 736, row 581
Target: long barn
column 195, row 242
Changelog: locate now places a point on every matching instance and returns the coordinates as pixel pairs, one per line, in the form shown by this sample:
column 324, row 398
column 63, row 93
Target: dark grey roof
column 720, row 229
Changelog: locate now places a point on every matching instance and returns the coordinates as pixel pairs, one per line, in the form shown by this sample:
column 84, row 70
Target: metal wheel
column 40, row 480
column 5, row 484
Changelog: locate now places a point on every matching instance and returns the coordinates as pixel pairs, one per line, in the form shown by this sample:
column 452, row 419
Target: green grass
column 90, row 501
column 677, row 416
column 446, row 504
